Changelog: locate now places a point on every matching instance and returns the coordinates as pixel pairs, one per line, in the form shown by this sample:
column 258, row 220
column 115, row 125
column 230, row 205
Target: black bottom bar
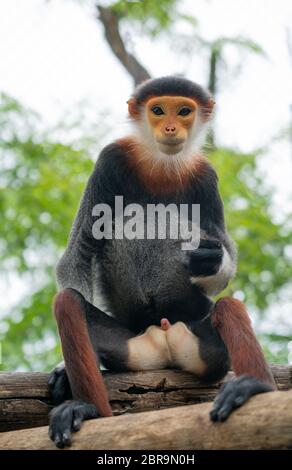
column 132, row 459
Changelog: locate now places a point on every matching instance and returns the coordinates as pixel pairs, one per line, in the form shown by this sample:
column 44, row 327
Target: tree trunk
column 212, row 87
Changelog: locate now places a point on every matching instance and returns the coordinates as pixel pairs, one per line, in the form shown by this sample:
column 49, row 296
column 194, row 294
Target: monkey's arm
column 74, row 270
column 213, row 263
column 232, row 322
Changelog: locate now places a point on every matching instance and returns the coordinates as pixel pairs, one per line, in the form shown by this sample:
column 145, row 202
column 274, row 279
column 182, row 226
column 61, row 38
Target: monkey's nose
column 170, row 129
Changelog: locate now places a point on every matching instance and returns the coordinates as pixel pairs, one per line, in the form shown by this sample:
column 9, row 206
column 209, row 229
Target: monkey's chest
column 145, row 280
column 175, row 347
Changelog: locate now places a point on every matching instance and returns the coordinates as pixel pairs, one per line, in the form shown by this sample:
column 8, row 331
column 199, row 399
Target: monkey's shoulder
column 205, row 171
column 113, row 153
column 112, row 162
column 110, row 173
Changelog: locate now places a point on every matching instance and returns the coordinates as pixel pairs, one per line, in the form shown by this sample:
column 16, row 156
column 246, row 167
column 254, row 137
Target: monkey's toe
column 67, row 418
column 234, row 394
column 59, row 385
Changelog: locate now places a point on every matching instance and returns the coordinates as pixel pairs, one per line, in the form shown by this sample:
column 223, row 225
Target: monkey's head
column 170, row 114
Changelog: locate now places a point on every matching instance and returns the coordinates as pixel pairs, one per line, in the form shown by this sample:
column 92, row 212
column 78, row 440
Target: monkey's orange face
column 171, row 119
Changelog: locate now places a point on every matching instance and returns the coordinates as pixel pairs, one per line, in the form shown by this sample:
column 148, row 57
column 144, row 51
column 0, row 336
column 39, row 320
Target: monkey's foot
column 59, row 385
column 67, row 418
column 234, row 394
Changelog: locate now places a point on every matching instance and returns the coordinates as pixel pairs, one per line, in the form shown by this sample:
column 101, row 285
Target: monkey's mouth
column 171, row 142
column 171, row 147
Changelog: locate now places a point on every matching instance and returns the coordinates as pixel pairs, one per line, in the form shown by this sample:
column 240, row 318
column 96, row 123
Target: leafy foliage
column 154, row 16
column 263, row 265
column 41, row 183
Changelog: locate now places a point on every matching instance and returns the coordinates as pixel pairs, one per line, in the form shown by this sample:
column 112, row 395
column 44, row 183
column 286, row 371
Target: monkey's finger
column 221, row 413
column 206, row 243
column 66, row 439
column 225, row 393
column 225, row 410
column 58, row 441
column 205, row 253
column 66, row 426
column 77, row 424
column 61, row 425
column 219, row 402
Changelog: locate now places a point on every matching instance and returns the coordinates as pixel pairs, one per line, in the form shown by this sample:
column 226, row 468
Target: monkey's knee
column 67, row 302
column 225, row 305
column 217, row 360
column 231, row 310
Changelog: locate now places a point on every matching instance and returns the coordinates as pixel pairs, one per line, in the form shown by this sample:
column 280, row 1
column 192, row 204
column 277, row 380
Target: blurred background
column 67, row 68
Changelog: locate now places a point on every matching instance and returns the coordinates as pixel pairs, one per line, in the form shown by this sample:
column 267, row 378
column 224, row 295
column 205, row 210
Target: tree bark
column 25, row 400
column 113, row 36
column 212, row 87
column 265, row 422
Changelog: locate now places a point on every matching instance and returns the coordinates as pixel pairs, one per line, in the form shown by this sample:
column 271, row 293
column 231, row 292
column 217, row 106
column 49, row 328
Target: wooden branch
column 113, row 36
column 25, row 401
column 265, row 422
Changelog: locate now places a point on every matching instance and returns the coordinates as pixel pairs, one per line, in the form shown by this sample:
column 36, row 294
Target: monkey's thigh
column 109, row 338
column 198, row 349
column 195, row 348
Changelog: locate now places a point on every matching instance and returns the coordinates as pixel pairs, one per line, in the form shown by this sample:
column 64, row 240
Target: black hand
column 205, row 260
column 67, row 418
column 234, row 394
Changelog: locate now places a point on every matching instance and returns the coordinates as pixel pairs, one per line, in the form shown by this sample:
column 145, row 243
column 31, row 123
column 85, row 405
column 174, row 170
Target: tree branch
column 265, row 422
column 25, row 399
column 110, row 22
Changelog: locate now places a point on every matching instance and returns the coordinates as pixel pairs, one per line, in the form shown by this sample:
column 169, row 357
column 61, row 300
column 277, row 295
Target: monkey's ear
column 208, row 109
column 211, row 103
column 133, row 108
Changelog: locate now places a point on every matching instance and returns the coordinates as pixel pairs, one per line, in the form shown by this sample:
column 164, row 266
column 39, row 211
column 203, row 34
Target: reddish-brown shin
column 81, row 363
column 231, row 319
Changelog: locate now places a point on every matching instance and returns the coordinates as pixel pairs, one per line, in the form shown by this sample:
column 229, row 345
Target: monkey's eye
column 184, row 111
column 157, row 110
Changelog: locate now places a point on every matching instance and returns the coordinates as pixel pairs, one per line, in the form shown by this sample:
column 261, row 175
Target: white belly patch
column 160, row 348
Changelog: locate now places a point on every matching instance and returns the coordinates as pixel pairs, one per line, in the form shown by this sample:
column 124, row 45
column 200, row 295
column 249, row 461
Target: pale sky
column 53, row 56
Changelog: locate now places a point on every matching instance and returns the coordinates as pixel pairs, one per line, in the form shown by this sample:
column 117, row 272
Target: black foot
column 59, row 385
column 67, row 418
column 234, row 394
